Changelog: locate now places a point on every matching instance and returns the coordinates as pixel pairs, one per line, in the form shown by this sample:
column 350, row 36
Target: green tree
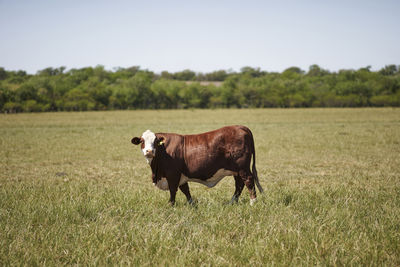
column 389, row 70
column 77, row 100
column 316, row 70
column 3, row 74
column 185, row 75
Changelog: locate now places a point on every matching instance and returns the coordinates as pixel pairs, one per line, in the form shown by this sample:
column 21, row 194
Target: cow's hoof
column 192, row 202
column 234, row 200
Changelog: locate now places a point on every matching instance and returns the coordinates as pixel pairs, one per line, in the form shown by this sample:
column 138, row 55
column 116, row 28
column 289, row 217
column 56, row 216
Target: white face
column 148, row 146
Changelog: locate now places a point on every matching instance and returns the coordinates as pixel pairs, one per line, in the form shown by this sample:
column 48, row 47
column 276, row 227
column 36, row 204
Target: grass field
column 74, row 190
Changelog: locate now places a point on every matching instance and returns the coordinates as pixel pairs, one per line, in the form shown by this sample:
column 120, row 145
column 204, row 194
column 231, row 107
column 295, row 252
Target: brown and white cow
column 205, row 158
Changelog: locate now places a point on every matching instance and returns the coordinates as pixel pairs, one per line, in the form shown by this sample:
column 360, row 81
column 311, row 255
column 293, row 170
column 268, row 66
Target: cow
column 205, row 158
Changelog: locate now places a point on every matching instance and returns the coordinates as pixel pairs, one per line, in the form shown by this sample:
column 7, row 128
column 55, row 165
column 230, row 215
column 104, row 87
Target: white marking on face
column 148, row 149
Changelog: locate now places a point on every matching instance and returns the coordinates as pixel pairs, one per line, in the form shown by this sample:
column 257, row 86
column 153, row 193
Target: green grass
column 74, row 190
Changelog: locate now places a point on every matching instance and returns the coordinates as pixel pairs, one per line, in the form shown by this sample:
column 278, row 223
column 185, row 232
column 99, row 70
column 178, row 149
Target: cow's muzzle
column 149, row 154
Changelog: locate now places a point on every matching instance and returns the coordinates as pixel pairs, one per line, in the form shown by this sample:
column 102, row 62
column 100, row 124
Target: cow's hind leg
column 185, row 189
column 239, row 184
column 248, row 180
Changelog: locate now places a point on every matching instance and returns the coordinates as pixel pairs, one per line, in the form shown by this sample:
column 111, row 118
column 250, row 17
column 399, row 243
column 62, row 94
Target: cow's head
column 149, row 144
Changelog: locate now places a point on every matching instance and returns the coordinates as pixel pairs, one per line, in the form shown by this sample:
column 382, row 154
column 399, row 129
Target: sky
column 202, row 36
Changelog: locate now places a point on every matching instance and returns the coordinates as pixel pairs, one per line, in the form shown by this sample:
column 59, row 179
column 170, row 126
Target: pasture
column 74, row 190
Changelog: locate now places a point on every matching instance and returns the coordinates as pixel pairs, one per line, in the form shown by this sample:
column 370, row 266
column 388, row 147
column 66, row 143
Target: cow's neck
column 155, row 168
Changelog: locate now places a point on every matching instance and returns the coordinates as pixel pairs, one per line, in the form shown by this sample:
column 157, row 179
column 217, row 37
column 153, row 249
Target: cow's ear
column 136, row 140
column 160, row 141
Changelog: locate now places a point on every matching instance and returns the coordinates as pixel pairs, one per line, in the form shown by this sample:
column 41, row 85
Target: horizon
column 228, row 71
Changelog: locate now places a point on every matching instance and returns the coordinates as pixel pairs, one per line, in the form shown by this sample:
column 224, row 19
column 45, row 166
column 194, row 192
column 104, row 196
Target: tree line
column 95, row 88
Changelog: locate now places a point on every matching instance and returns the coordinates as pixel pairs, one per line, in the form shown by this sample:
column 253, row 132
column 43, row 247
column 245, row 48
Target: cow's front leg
column 185, row 189
column 173, row 187
column 172, row 195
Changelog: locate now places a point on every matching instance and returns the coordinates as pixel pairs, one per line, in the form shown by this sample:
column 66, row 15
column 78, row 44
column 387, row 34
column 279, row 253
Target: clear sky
column 199, row 35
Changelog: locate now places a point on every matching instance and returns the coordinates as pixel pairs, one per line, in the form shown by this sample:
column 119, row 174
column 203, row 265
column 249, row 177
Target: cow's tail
column 254, row 170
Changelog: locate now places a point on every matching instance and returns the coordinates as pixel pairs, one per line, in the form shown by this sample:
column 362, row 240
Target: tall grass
column 73, row 190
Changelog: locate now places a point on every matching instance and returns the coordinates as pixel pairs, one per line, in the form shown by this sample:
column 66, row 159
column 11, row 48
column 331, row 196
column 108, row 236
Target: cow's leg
column 239, row 184
column 173, row 188
column 248, row 180
column 185, row 189
column 172, row 195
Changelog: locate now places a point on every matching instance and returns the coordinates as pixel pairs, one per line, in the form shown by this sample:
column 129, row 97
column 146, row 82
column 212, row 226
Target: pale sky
column 203, row 36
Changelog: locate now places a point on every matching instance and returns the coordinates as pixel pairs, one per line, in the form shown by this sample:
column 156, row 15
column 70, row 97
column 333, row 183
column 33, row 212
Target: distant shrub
column 12, row 107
